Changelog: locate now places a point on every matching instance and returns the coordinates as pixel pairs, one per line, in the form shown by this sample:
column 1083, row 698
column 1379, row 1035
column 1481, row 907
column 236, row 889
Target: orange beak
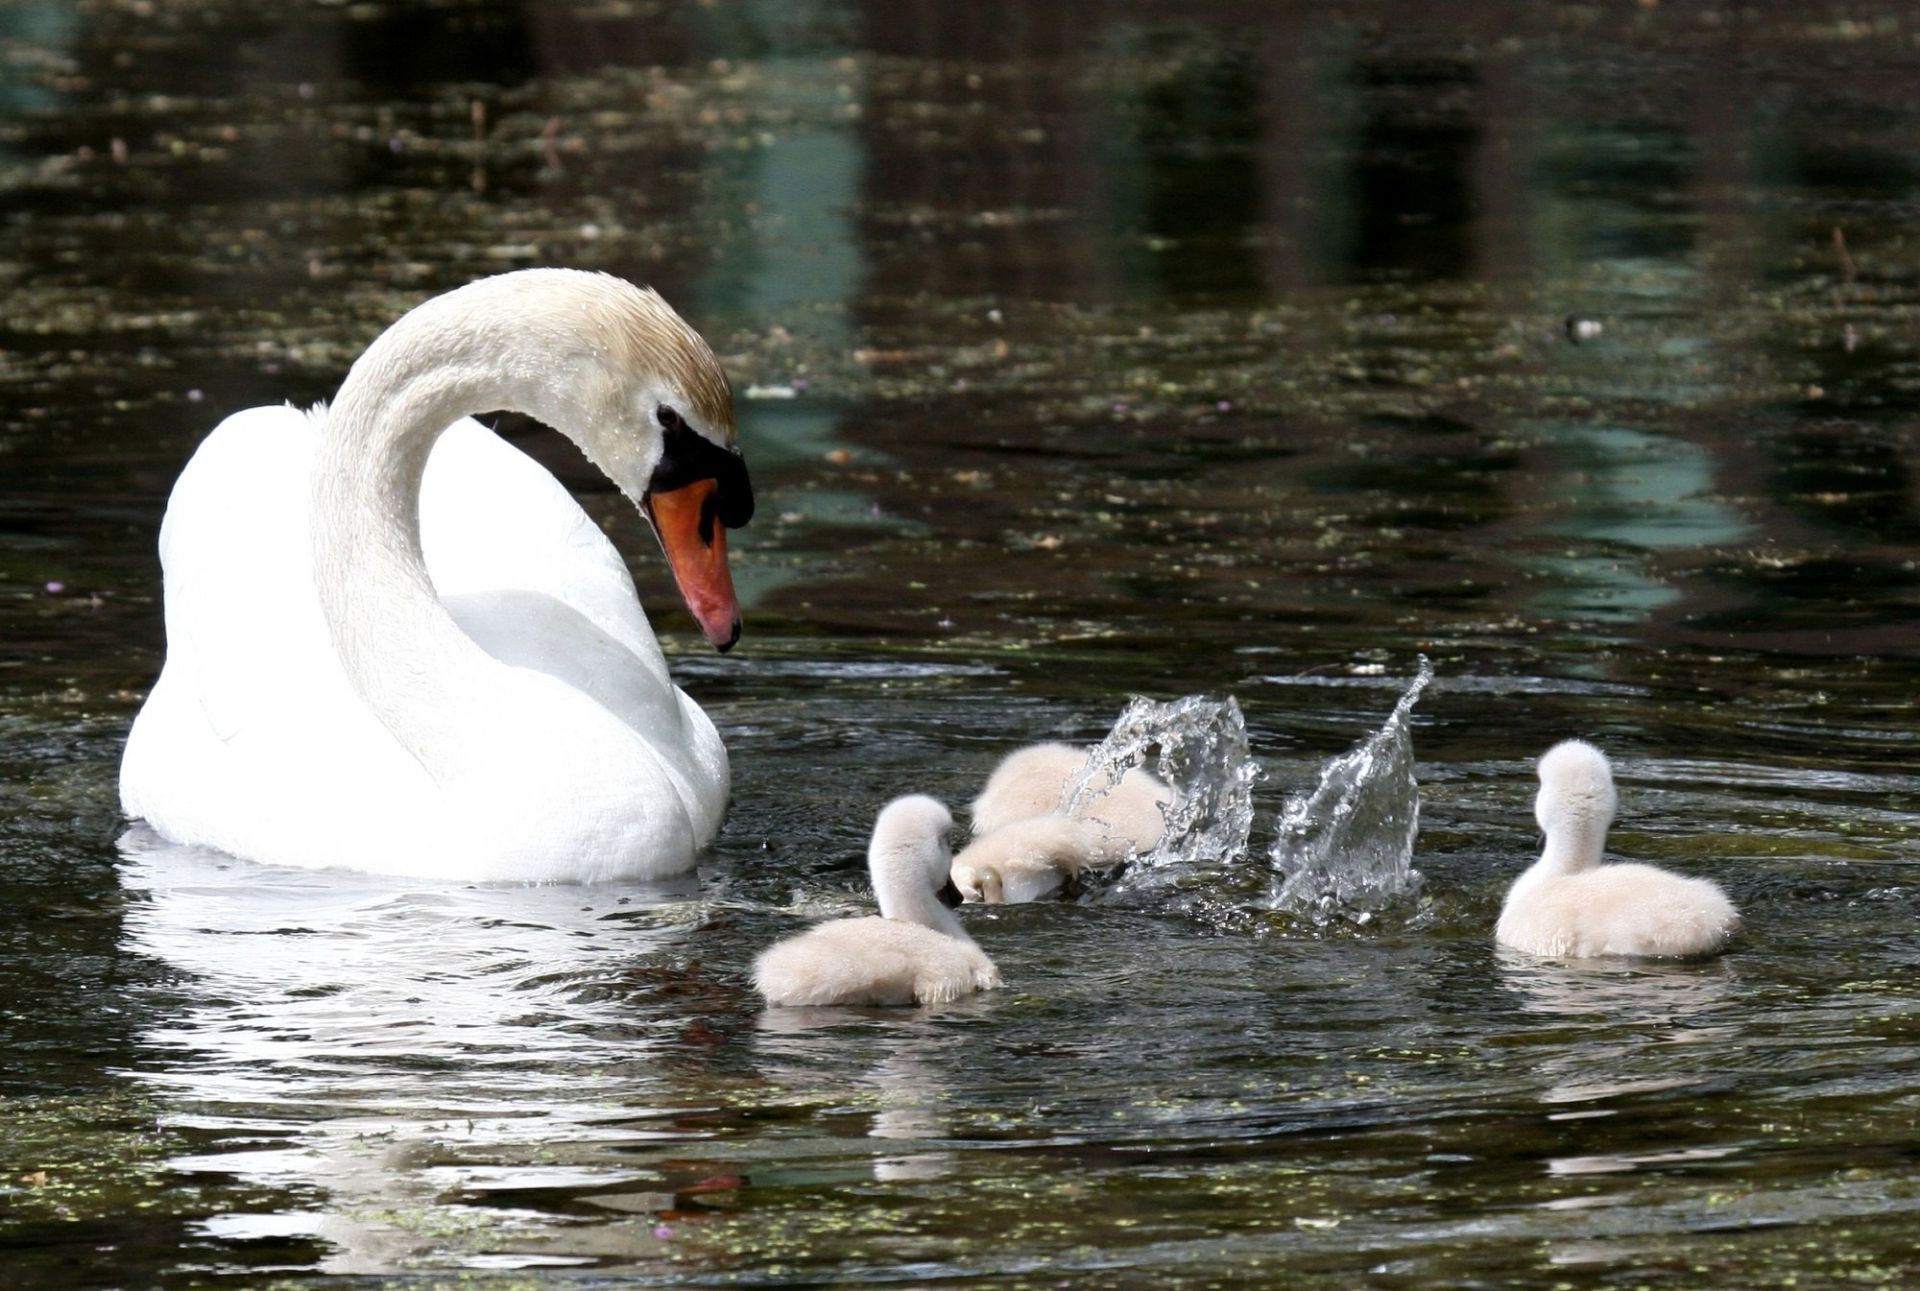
column 690, row 533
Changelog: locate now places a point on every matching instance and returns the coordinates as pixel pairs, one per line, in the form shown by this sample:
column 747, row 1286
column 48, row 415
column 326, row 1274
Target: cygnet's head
column 909, row 857
column 979, row 883
column 1576, row 799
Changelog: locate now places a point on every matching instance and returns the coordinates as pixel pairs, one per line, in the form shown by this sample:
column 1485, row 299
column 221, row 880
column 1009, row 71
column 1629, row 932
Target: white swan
column 1569, row 906
column 395, row 643
column 913, row 952
column 1031, row 782
column 1027, row 859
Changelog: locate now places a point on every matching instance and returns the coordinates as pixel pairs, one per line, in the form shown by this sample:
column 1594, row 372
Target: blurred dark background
column 1447, row 322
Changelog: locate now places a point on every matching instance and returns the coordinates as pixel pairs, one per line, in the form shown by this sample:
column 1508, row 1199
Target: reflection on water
column 1639, row 993
column 1620, row 492
column 1137, row 350
column 362, row 1075
column 352, row 1039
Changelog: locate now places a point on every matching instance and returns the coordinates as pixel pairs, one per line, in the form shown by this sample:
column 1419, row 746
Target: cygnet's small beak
column 687, row 522
column 950, row 894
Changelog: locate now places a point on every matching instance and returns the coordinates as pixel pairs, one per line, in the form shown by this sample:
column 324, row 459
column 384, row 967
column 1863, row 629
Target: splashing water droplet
column 1201, row 752
column 1346, row 849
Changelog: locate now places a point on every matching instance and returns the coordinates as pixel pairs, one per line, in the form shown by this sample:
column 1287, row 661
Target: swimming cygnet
column 913, row 952
column 1569, row 906
column 1030, row 782
column 1026, row 860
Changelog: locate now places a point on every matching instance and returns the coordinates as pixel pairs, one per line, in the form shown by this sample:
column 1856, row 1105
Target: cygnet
column 1030, row 782
column 913, row 952
column 1570, row 906
column 1025, row 860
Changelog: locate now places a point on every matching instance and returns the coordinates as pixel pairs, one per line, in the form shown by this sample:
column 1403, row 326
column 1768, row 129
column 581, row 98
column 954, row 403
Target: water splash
column 1200, row 748
column 1346, row 849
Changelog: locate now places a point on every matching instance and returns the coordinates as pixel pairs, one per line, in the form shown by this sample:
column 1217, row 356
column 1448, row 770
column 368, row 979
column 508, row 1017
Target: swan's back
column 1619, row 909
column 1129, row 817
column 250, row 703
column 871, row 961
column 1027, row 782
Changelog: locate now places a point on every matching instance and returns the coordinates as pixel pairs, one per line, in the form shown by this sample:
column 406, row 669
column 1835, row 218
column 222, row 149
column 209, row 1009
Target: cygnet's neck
column 900, row 886
column 1576, row 840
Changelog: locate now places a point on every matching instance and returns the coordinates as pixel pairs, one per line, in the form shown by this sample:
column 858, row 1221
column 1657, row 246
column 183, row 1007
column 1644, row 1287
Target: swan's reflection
column 1638, row 991
column 913, row 1112
column 1643, row 1009
column 910, row 1076
column 369, row 1046
column 1633, row 1033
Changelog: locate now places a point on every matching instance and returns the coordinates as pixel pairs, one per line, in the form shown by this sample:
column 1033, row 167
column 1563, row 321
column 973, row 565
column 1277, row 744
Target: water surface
column 1170, row 350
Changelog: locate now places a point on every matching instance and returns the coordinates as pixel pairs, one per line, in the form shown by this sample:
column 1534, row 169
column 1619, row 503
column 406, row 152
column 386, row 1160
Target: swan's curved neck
column 401, row 650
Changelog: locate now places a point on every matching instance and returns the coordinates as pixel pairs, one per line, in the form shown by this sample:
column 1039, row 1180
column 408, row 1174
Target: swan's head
column 909, row 857
column 1576, row 800
column 620, row 372
column 669, row 400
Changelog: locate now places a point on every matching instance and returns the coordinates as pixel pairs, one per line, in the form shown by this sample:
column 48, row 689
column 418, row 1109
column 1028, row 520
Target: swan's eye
column 669, row 419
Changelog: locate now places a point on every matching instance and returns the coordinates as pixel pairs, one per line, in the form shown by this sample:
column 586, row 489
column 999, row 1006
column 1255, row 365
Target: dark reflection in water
column 1186, row 194
column 1079, row 352
column 1412, row 178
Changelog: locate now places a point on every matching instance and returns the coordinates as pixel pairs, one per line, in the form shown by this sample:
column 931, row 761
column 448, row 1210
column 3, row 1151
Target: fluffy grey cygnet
column 1025, row 844
column 913, row 952
column 1570, row 906
column 1026, row 860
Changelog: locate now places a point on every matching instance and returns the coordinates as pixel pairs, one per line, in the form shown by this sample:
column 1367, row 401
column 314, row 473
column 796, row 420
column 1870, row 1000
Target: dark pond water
column 1145, row 348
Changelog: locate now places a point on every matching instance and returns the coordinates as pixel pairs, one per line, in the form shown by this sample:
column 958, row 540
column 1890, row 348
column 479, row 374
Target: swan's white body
column 1027, row 860
column 1570, row 906
column 1126, row 817
column 913, row 952
column 407, row 651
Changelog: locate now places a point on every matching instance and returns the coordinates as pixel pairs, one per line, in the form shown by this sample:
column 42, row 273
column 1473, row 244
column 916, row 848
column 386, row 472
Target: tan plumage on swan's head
column 593, row 337
column 652, row 335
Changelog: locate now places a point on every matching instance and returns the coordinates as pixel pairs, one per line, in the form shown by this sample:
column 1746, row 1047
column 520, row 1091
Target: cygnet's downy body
column 913, row 952
column 1570, row 906
column 1026, row 860
column 1126, row 817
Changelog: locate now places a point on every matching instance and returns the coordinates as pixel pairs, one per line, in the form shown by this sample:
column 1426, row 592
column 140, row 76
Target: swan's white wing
column 243, row 625
column 504, row 543
column 493, row 519
column 531, row 578
column 251, row 730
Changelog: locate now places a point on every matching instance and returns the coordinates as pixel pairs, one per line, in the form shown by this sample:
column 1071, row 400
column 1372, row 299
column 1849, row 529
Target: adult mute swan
column 913, row 952
column 1570, row 906
column 395, row 643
